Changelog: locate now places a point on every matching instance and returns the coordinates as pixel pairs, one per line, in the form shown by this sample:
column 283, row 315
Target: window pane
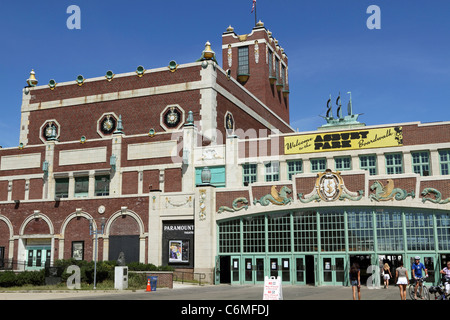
column 62, row 188
column 81, row 186
column 102, row 185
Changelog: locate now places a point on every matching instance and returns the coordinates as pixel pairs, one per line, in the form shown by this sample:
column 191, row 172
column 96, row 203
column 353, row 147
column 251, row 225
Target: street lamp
column 96, row 232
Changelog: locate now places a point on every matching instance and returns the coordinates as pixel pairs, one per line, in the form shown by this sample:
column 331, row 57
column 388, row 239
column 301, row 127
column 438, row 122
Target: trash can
column 153, row 283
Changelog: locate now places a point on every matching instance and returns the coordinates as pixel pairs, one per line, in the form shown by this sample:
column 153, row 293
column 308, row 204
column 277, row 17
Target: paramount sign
column 346, row 140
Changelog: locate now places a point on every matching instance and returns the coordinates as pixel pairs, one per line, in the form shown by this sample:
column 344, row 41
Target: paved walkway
column 208, row 292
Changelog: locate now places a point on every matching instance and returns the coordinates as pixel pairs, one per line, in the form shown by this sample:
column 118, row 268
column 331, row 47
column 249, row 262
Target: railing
column 188, row 277
column 8, row 264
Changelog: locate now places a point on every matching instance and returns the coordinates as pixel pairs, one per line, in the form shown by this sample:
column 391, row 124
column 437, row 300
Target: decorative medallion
column 50, row 131
column 108, row 124
column 329, row 185
column 172, row 117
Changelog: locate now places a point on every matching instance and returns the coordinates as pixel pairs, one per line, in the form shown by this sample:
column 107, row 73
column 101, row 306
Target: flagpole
column 255, row 15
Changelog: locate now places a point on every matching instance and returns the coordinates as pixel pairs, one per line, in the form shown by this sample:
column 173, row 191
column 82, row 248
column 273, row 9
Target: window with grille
column 102, row 185
column 368, row 163
column 294, row 167
column 305, row 231
column 279, row 233
column 443, row 231
column 421, row 163
column 394, row 163
column 343, row 163
column 318, row 165
column 444, row 161
column 230, row 237
column 419, row 231
column 389, row 230
column 272, row 171
column 360, row 231
column 332, row 231
column 249, row 173
column 254, row 234
column 243, row 62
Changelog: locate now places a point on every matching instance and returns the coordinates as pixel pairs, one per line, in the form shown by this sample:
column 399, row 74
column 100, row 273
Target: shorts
column 402, row 280
column 354, row 283
column 386, row 277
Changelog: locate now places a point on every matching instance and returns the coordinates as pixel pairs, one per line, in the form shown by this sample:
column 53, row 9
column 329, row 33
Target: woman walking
column 401, row 276
column 355, row 280
column 386, row 275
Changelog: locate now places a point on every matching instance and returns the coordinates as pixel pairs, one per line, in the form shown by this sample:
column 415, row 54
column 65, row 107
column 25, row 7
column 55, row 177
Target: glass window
column 343, row 163
column 249, row 174
column 389, row 230
column 254, row 234
column 277, row 69
column 332, row 231
column 318, row 165
column 294, row 167
column 421, row 163
column 394, row 163
column 443, row 231
column 360, row 231
column 81, row 187
column 368, row 163
column 270, row 63
column 243, row 67
column 419, row 231
column 230, row 236
column 102, row 185
column 279, row 233
column 444, row 161
column 272, row 171
column 305, row 231
column 62, row 188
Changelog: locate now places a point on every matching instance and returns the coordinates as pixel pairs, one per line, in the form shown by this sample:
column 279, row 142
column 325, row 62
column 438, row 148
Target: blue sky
column 399, row 73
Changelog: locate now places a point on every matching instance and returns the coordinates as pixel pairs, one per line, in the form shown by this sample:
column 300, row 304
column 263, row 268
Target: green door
column 37, row 257
column 430, row 262
column 300, row 270
column 235, row 270
column 254, row 269
column 333, row 270
column 281, row 267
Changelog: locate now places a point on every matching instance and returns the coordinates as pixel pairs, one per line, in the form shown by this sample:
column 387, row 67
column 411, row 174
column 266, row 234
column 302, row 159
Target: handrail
column 201, row 276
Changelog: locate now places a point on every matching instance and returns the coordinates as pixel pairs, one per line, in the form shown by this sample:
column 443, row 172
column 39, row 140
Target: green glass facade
column 332, row 239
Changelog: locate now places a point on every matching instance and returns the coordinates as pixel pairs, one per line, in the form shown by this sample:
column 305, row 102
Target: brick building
column 196, row 166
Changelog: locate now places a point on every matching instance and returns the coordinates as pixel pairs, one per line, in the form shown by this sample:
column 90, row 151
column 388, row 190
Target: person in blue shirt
column 417, row 268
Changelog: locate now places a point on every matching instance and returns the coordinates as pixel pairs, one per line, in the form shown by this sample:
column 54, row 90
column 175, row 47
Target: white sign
column 272, row 289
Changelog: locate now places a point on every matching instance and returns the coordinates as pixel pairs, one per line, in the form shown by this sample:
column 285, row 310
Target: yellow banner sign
column 346, row 140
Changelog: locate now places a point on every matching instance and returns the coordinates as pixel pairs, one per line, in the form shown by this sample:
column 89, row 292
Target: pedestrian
column 355, row 278
column 446, row 273
column 417, row 268
column 386, row 275
column 402, row 279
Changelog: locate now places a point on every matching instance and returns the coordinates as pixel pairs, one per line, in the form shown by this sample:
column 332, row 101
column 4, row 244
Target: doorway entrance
column 333, row 270
column 37, row 256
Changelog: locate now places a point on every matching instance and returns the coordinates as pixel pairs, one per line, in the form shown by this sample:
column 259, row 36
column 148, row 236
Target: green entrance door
column 37, row 257
column 281, row 267
column 254, row 269
column 333, row 270
column 429, row 260
column 235, row 270
column 300, row 270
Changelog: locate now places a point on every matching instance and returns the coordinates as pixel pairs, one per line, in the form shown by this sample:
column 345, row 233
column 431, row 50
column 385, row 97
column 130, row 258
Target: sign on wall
column 345, row 140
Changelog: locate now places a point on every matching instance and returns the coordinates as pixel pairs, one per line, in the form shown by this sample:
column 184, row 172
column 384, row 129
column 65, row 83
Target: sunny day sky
column 398, row 72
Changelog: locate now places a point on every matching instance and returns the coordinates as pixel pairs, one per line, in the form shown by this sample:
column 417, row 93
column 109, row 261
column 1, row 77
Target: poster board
column 272, row 289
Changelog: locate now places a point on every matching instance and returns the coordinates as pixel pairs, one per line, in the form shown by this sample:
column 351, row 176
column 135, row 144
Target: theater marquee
column 346, row 140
